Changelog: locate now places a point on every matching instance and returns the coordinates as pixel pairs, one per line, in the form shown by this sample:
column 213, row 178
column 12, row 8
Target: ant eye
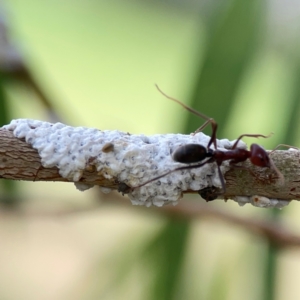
column 261, row 157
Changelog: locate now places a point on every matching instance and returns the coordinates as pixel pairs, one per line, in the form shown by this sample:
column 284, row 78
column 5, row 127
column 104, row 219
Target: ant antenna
column 279, row 174
column 213, row 123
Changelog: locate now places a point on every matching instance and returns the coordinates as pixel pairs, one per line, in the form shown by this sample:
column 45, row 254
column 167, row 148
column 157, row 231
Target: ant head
column 259, row 156
column 190, row 153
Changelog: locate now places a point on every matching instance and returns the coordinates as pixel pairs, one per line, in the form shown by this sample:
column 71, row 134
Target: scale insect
column 199, row 155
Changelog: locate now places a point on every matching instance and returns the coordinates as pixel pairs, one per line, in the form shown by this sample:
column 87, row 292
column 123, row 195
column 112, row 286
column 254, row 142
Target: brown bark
column 19, row 161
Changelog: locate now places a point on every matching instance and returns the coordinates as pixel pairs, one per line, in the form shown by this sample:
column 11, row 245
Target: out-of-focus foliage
column 95, row 63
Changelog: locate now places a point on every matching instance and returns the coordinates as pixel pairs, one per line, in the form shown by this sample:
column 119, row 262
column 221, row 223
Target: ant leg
column 177, row 169
column 214, row 125
column 234, row 165
column 222, row 180
column 249, row 135
column 210, row 193
column 203, row 126
column 283, row 145
column 280, row 176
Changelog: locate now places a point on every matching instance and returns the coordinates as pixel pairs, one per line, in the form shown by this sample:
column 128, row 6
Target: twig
column 81, row 155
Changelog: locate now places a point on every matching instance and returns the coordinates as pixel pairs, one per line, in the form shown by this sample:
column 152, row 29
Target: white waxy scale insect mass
column 133, row 159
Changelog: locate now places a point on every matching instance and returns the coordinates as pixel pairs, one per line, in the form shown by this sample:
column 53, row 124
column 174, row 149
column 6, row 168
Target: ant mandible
column 195, row 153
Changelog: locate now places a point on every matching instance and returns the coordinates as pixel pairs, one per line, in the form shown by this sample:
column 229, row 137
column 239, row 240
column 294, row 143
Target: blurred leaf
column 271, row 266
column 219, row 286
column 165, row 255
column 9, row 186
column 229, row 50
column 160, row 258
column 290, row 137
column 4, row 119
column 292, row 131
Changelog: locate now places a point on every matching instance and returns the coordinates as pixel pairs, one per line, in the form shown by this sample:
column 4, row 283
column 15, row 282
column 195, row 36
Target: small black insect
column 124, row 188
column 209, row 193
column 108, row 147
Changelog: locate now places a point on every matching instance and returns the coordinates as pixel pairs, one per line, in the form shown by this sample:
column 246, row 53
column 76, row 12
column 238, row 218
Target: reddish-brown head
column 259, row 157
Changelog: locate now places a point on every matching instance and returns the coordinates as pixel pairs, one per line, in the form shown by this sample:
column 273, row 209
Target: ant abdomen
column 190, row 153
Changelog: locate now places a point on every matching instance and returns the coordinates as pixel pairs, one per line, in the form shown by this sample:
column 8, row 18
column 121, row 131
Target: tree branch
column 41, row 151
column 19, row 161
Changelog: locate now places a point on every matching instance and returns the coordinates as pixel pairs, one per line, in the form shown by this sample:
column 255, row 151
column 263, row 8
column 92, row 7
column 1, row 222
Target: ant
column 196, row 153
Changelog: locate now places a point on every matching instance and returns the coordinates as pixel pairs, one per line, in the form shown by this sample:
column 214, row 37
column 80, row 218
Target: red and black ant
column 195, row 153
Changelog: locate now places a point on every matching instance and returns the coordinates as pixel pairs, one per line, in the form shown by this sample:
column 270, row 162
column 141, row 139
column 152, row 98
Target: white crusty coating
column 133, row 159
column 261, row 201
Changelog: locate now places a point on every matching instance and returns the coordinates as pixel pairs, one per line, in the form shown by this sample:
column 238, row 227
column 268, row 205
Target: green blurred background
column 96, row 63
